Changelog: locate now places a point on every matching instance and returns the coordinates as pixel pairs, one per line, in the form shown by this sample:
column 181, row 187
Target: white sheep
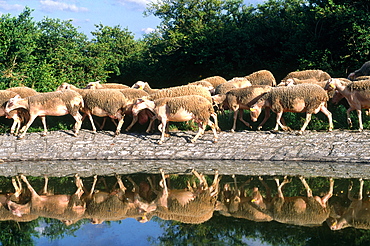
column 357, row 95
column 239, row 82
column 307, row 98
column 319, row 75
column 20, row 116
column 97, row 85
column 51, row 103
column 144, row 86
column 179, row 109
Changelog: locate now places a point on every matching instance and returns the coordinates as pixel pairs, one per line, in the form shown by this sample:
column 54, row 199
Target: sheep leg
column 241, row 112
column 151, row 123
column 16, row 125
column 326, row 198
column 215, row 119
column 43, row 120
column 360, row 119
column 134, row 120
column 267, row 116
column 121, row 119
column 280, row 186
column 77, row 126
column 361, row 189
column 328, row 114
column 79, row 186
column 162, row 129
column 349, row 118
column 18, row 188
column 278, row 122
column 201, row 129
column 308, row 189
column 91, row 121
column 308, row 119
column 234, row 122
column 29, row 186
column 213, row 127
column 32, row 118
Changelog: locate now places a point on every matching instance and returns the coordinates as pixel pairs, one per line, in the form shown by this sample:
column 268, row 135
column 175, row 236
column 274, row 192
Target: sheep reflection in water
column 194, row 204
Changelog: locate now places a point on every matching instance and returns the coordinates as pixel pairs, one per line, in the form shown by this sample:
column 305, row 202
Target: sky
column 86, row 13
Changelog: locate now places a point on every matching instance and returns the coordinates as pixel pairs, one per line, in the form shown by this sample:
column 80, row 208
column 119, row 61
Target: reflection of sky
column 128, row 232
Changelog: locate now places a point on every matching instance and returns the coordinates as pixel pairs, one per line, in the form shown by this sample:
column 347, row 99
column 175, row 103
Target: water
column 238, row 215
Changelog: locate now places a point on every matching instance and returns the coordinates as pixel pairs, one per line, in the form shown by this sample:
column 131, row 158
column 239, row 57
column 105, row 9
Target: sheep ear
column 17, row 97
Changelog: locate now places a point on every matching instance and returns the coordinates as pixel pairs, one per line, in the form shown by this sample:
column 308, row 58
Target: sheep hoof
column 215, row 140
column 20, row 137
column 232, row 130
column 299, row 133
column 259, row 128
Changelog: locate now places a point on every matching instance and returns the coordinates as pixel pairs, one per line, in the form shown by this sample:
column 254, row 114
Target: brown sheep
column 51, row 103
column 193, row 205
column 236, row 203
column 305, row 211
column 215, row 80
column 357, row 95
column 356, row 215
column 67, row 208
column 239, row 99
column 179, row 109
column 101, row 103
column 307, row 98
column 261, row 77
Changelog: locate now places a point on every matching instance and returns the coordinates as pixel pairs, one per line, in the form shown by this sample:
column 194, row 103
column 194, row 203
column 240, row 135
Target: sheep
column 215, row 80
column 131, row 96
column 307, row 98
column 299, row 210
column 101, row 103
column 193, row 205
column 357, row 95
column 204, row 84
column 105, row 102
column 295, row 81
column 239, row 82
column 20, row 116
column 223, row 88
column 67, row 208
column 144, row 86
column 356, row 215
column 179, row 109
column 184, row 91
column 319, row 75
column 5, row 95
column 97, row 85
column 363, row 71
column 261, row 77
column 51, row 103
column 236, row 203
column 243, row 98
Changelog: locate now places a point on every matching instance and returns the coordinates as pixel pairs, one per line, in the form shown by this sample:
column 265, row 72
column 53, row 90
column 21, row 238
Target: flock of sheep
column 304, row 91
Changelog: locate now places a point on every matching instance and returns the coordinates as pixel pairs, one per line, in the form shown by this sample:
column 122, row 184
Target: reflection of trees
column 219, row 230
column 222, row 230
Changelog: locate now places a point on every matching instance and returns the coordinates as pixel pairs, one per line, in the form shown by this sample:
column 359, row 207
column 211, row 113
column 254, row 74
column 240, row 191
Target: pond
column 184, row 203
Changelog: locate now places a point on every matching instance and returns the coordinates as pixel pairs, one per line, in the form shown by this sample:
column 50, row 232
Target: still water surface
column 189, row 208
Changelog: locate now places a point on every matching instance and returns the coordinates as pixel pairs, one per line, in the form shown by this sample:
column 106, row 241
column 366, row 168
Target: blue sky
column 85, row 13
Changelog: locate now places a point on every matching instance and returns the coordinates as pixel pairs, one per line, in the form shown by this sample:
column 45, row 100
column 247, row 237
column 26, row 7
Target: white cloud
column 9, row 7
column 138, row 2
column 50, row 6
column 148, row 30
